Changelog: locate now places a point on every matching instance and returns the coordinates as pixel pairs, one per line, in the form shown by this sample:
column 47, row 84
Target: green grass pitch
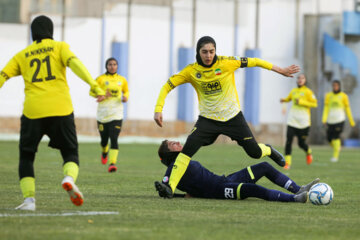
column 143, row 215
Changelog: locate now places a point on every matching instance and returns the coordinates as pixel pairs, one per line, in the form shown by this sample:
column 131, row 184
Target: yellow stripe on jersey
column 112, row 108
column 43, row 67
column 215, row 86
column 299, row 114
column 251, row 173
column 335, row 106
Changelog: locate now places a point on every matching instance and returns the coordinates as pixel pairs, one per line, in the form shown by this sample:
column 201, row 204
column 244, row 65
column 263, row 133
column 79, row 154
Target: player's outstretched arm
column 288, row 71
column 80, row 70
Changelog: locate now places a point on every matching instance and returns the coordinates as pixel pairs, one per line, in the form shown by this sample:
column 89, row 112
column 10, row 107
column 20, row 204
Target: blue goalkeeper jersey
column 198, row 181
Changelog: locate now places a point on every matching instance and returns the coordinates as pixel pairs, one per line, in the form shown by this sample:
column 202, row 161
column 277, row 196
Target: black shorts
column 110, row 127
column 334, row 131
column 61, row 131
column 207, row 130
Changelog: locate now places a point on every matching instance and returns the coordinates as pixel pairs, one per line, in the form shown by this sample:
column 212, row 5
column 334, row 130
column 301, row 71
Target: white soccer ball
column 321, row 194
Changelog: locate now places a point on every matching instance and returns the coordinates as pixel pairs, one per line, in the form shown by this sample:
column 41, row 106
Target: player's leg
column 204, row 133
column 335, row 132
column 62, row 134
column 114, row 131
column 104, row 141
column 30, row 136
column 247, row 190
column 237, row 129
column 290, row 133
column 302, row 135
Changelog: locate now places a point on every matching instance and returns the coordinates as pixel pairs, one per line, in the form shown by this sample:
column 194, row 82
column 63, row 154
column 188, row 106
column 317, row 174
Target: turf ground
column 141, row 214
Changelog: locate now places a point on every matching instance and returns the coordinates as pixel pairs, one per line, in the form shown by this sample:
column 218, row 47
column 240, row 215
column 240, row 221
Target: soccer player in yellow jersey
column 335, row 105
column 213, row 79
column 47, row 107
column 110, row 111
column 299, row 120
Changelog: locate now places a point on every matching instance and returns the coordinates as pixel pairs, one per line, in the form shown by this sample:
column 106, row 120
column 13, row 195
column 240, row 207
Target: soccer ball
column 321, row 194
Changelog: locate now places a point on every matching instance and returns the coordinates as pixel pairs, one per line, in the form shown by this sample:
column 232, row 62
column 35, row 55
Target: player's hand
column 290, row 70
column 100, row 98
column 282, row 100
column 158, row 118
column 124, row 99
column 108, row 93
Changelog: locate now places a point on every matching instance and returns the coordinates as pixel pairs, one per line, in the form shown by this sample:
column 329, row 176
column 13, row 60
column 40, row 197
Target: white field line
column 78, row 213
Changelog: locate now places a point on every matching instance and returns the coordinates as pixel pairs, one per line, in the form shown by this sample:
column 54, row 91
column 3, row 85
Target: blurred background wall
column 149, row 36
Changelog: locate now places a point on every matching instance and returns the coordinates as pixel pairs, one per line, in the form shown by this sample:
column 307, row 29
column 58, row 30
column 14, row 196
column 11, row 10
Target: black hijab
column 201, row 42
column 42, row 27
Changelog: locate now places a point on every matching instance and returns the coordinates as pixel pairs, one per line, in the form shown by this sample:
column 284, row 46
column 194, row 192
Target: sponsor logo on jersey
column 198, row 75
column 218, row 71
column 165, row 179
column 229, row 193
column 107, row 83
column 119, row 83
column 211, row 87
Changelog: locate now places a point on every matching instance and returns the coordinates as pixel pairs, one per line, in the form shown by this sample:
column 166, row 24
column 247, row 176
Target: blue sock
column 257, row 191
column 280, row 179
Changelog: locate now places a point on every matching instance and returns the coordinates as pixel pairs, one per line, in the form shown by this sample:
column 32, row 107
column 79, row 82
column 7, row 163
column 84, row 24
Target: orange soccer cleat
column 309, row 159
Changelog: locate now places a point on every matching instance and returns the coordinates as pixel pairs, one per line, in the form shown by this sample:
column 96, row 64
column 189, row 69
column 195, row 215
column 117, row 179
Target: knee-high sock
column 257, row 191
column 71, row 169
column 113, row 154
column 27, row 185
column 288, row 159
column 265, row 150
column 105, row 149
column 181, row 163
column 265, row 169
column 336, row 143
column 309, row 151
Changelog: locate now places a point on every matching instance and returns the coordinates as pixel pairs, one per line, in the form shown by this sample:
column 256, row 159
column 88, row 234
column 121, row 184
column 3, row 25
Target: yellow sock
column 71, row 169
column 113, row 154
column 337, row 147
column 27, row 185
column 309, row 151
column 265, row 150
column 105, row 149
column 288, row 160
column 181, row 163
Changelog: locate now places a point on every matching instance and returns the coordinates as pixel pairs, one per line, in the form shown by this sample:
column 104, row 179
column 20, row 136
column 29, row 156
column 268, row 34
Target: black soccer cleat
column 276, row 156
column 306, row 188
column 163, row 189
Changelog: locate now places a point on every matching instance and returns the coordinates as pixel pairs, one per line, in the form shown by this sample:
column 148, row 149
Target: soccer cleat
column 28, row 204
column 301, row 197
column 276, row 156
column 112, row 168
column 309, row 159
column 306, row 188
column 287, row 166
column 333, row 159
column 75, row 195
column 104, row 158
column 164, row 190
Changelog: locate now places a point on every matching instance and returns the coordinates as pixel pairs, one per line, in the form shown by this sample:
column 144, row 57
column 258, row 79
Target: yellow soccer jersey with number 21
column 43, row 66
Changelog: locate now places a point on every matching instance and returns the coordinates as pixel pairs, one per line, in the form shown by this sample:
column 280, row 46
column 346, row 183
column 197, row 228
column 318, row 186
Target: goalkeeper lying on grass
column 200, row 182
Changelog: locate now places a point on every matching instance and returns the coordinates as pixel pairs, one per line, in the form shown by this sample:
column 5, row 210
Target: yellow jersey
column 299, row 114
column 43, row 67
column 215, row 86
column 335, row 105
column 112, row 108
